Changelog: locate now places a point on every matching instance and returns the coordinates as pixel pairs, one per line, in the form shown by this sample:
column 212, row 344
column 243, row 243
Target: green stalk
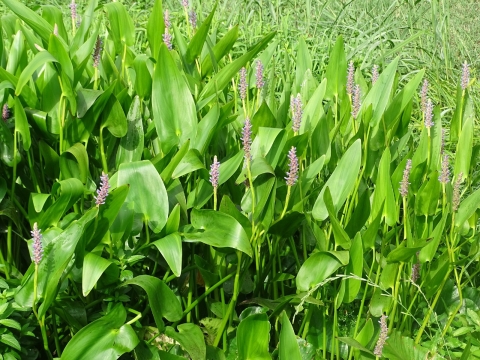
column 95, row 81
column 102, row 152
column 123, row 60
column 55, row 334
column 395, row 297
column 215, row 198
column 32, row 171
column 287, row 199
column 233, row 301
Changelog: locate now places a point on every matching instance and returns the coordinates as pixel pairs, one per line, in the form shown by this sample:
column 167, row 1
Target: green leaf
column 103, row 339
column 354, row 344
column 224, row 76
column 220, row 49
column 132, row 144
column 113, row 118
column 196, row 44
column 219, row 229
column 341, row 182
column 303, row 63
column 253, row 337
column 143, row 78
column 58, row 51
column 379, row 96
column 191, row 162
column 57, row 255
column 69, row 192
column 87, row 18
column 171, row 249
column 354, row 267
column 384, row 198
column 93, row 267
column 38, row 60
column 147, row 195
column 35, row 21
column 155, row 28
column 402, row 253
column 74, row 163
column 319, row 266
column 399, row 347
column 288, row 347
column 463, row 155
column 467, row 208
column 10, row 340
column 11, row 324
column 341, row 237
column 172, row 103
column 336, row 70
column 121, row 25
column 21, row 124
column 161, row 298
column 190, row 337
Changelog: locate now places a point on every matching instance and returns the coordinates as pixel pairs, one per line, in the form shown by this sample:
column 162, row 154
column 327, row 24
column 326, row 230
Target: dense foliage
column 164, row 197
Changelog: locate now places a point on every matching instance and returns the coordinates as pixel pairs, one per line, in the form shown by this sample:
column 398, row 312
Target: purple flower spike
column 103, row 191
column 243, row 85
column 429, row 114
column 350, row 81
column 404, row 183
column 465, row 75
column 167, row 38
column 423, row 95
column 445, row 174
column 383, row 336
column 297, row 112
column 375, row 74
column 37, row 244
column 192, row 16
column 214, row 172
column 97, row 52
column 356, row 102
column 247, row 140
column 185, row 3
column 415, row 272
column 5, row 113
column 259, row 75
column 73, row 11
column 292, row 173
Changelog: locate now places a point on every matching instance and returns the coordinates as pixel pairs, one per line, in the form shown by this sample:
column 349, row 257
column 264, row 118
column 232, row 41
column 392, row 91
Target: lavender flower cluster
column 37, row 244
column 292, row 173
column 383, row 336
column 297, row 112
column 97, row 52
column 214, row 172
column 259, row 75
column 350, row 80
column 247, row 140
column 102, row 192
column 242, row 84
column 404, row 183
column 167, row 38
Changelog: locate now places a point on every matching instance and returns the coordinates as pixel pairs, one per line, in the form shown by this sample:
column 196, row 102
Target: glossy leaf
column 220, row 230
column 143, row 178
column 288, row 347
column 21, row 124
column 93, row 268
column 155, row 28
column 103, row 339
column 132, row 144
column 319, row 266
column 171, row 249
column 190, row 337
column 173, row 106
column 253, row 336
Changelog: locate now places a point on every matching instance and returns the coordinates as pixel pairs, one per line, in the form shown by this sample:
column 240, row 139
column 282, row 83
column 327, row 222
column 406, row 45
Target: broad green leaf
column 427, row 197
column 224, row 76
column 57, row 255
column 219, row 229
column 69, row 191
column 206, row 130
column 104, row 339
column 220, row 50
column 6, row 146
column 288, row 346
column 190, row 337
column 147, row 195
column 229, row 167
column 463, row 155
column 354, row 267
column 354, row 344
column 171, row 249
column 341, row 182
column 384, row 199
column 191, row 162
column 74, row 163
column 253, row 337
column 21, row 124
column 93, row 268
column 172, row 103
column 38, row 60
column 400, row 347
column 87, row 18
column 402, row 253
column 161, row 298
column 143, row 78
column 336, row 70
column 303, row 63
column 155, row 29
column 428, row 251
column 341, row 237
column 10, row 340
column 314, row 110
column 58, row 51
column 467, row 208
column 113, row 118
column 132, row 144
column 35, row 21
column 196, row 44
column 379, row 96
column 121, row 25
column 319, row 266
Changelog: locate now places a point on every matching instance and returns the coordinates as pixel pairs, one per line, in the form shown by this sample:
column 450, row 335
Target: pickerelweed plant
column 188, row 201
